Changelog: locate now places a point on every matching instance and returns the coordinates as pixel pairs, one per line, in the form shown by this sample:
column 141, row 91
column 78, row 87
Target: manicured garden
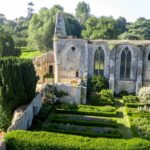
column 139, row 115
column 21, row 140
column 122, row 122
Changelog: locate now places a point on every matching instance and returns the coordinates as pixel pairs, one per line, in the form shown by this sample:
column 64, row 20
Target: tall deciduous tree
column 100, row 28
column 139, row 30
column 41, row 28
column 30, row 10
column 73, row 27
column 82, row 12
column 7, row 47
column 2, row 18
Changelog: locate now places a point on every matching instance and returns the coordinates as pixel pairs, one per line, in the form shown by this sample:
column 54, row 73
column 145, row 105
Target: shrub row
column 17, row 86
column 134, row 111
column 135, row 105
column 85, row 123
column 86, row 108
column 86, row 134
column 104, row 114
column 130, row 99
column 25, row 140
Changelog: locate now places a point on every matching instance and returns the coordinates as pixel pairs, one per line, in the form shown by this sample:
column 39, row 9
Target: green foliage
column 41, row 117
column 139, row 30
column 124, row 93
column 130, row 99
column 29, row 53
column 82, row 12
column 121, row 24
column 71, row 129
column 73, row 28
column 135, row 105
column 141, row 127
column 85, row 123
column 88, row 110
column 96, row 84
column 100, row 28
column 107, row 97
column 104, row 97
column 7, row 47
column 17, row 84
column 18, row 29
column 59, row 93
column 41, row 28
column 21, row 140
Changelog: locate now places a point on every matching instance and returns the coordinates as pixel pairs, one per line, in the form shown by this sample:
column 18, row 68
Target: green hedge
column 135, row 105
column 113, row 134
column 17, row 85
column 104, row 114
column 130, row 99
column 85, row 123
column 25, row 140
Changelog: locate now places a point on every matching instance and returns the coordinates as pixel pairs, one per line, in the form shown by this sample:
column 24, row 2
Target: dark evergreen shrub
column 17, row 84
column 7, row 47
column 96, row 84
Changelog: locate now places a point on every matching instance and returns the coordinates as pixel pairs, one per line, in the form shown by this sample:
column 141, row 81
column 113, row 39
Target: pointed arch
column 149, row 56
column 125, row 67
column 99, row 62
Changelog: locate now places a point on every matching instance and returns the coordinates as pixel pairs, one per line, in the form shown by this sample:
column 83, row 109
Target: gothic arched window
column 149, row 56
column 125, row 66
column 99, row 59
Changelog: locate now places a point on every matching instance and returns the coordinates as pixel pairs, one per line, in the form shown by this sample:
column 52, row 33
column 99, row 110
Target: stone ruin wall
column 24, row 115
column 76, row 94
column 71, row 60
column 44, row 65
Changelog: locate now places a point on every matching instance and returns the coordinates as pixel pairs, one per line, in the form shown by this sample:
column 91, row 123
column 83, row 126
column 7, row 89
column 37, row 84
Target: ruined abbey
column 126, row 64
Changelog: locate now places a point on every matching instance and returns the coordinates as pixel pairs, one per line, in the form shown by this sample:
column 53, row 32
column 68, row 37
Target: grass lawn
column 28, row 53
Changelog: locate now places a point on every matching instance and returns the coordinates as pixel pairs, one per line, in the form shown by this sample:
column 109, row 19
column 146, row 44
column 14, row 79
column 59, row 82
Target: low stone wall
column 76, row 94
column 23, row 116
column 128, row 86
column 2, row 144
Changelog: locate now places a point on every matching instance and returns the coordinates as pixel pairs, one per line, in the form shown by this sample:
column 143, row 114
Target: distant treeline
column 37, row 29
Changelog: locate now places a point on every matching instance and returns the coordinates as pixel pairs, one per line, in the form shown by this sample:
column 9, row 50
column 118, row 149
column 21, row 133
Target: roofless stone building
column 126, row 64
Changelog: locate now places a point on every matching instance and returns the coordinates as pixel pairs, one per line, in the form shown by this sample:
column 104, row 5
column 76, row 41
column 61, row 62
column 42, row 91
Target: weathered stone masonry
column 125, row 63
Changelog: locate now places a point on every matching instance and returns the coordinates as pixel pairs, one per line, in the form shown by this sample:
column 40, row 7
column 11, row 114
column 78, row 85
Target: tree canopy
column 41, row 28
column 82, row 12
column 100, row 28
column 7, row 47
column 37, row 30
column 139, row 30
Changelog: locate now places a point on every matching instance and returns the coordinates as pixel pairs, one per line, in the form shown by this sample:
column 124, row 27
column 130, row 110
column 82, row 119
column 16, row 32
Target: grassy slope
column 27, row 53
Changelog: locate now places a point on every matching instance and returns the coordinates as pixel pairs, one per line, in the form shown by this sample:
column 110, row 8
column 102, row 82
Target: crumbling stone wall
column 71, row 60
column 24, row 115
column 74, row 60
column 44, row 66
column 75, row 94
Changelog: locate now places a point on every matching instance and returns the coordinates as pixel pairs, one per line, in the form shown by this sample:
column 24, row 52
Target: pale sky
column 130, row 9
